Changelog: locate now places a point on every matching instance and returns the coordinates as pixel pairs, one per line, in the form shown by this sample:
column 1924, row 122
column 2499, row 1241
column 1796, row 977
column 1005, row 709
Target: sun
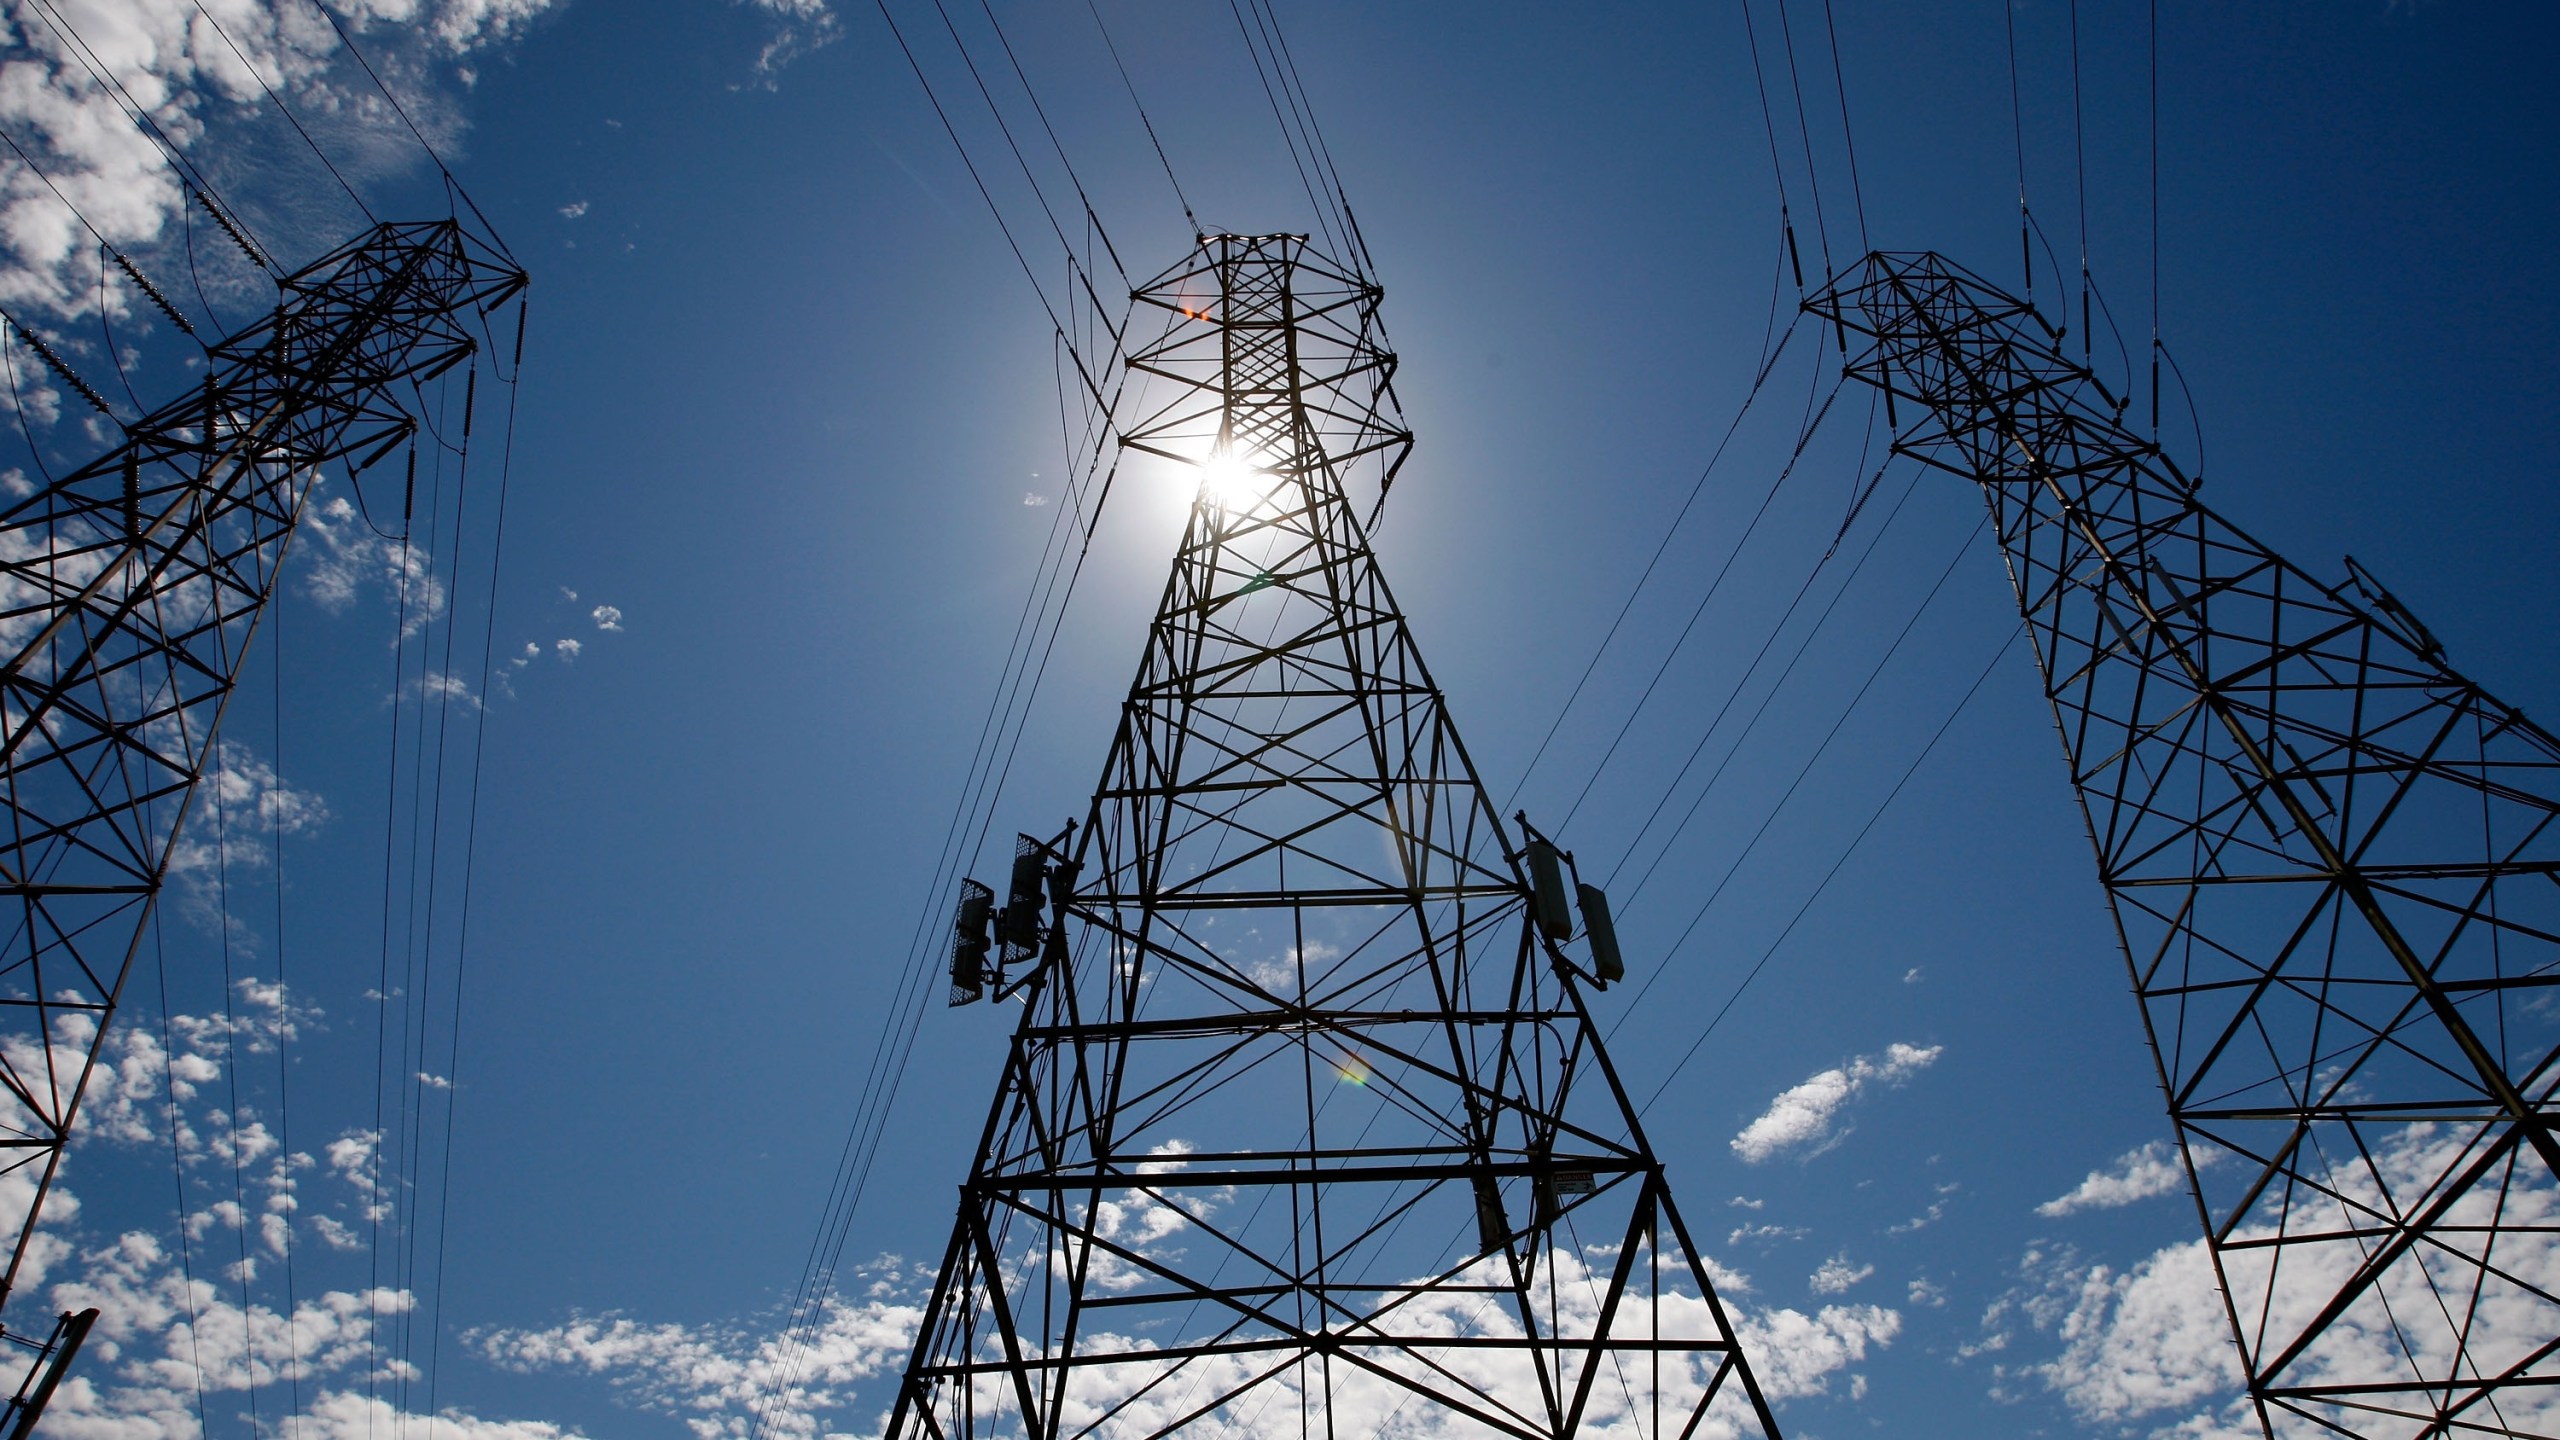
column 1232, row 482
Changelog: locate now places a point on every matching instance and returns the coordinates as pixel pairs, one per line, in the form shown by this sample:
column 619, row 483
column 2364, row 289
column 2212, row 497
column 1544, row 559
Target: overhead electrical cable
column 2151, row 36
column 1802, row 772
column 1804, row 437
column 977, row 179
column 1359, row 257
column 1144, row 123
column 106, row 249
column 1289, row 136
column 470, row 853
column 1039, row 195
column 177, row 1162
column 190, row 176
column 1643, row 577
column 287, row 112
column 453, row 185
column 285, row 1027
column 1769, row 122
column 1732, row 695
column 1044, row 607
column 1293, row 89
column 231, row 1112
column 430, row 782
column 808, row 1306
column 1804, row 129
column 1829, row 875
column 2080, row 179
column 1092, row 220
column 1848, row 135
column 2018, row 137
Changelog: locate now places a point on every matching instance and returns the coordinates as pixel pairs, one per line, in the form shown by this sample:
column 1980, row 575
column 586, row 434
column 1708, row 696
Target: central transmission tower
column 2334, row 865
column 1305, row 1127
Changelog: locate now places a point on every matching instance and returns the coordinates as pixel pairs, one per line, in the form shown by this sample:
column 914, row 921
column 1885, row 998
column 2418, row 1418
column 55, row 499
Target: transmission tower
column 2334, row 872
column 130, row 589
column 1305, row 1127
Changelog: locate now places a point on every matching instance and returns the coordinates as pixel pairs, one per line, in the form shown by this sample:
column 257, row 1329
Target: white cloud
column 716, row 1375
column 607, row 617
column 1746, row 1233
column 1936, row 1212
column 243, row 805
column 1033, row 499
column 573, row 210
column 2153, row 1342
column 2137, row 1341
column 2136, row 1175
column 1838, row 1277
column 807, row 24
column 1804, row 1115
column 347, row 558
column 200, row 82
column 711, row 1375
column 172, row 1339
column 568, row 649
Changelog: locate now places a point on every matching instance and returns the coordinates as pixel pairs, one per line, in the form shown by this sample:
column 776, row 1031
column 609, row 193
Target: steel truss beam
column 129, row 592
column 1310, row 1132
column 2332, row 864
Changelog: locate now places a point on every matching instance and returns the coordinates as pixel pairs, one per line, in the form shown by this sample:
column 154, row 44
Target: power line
column 1804, row 129
column 1829, row 875
column 1786, row 672
column 1848, row 136
column 190, row 177
column 287, row 112
column 2080, row 181
column 1645, row 576
column 1288, row 137
column 470, row 853
column 1148, row 125
column 1804, row 437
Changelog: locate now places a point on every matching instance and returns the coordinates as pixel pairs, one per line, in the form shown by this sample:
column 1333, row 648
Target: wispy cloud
column 2136, row 1175
column 1806, row 1114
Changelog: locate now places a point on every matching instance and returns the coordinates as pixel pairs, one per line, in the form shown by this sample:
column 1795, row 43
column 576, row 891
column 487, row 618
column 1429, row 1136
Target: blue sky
column 787, row 405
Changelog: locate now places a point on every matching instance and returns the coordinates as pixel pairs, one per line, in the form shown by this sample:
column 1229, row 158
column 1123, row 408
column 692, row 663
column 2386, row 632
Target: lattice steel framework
column 1308, row 1130
column 2331, row 859
column 129, row 592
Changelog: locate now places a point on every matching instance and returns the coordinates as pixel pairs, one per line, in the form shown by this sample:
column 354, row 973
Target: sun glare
column 1229, row 482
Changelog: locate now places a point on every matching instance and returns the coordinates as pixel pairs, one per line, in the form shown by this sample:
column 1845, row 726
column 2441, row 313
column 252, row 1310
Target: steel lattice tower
column 1305, row 1128
column 129, row 592
column 2332, row 863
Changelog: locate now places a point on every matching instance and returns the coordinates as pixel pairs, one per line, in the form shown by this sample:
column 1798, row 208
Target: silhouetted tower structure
column 2334, row 871
column 130, row 589
column 1305, row 1127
